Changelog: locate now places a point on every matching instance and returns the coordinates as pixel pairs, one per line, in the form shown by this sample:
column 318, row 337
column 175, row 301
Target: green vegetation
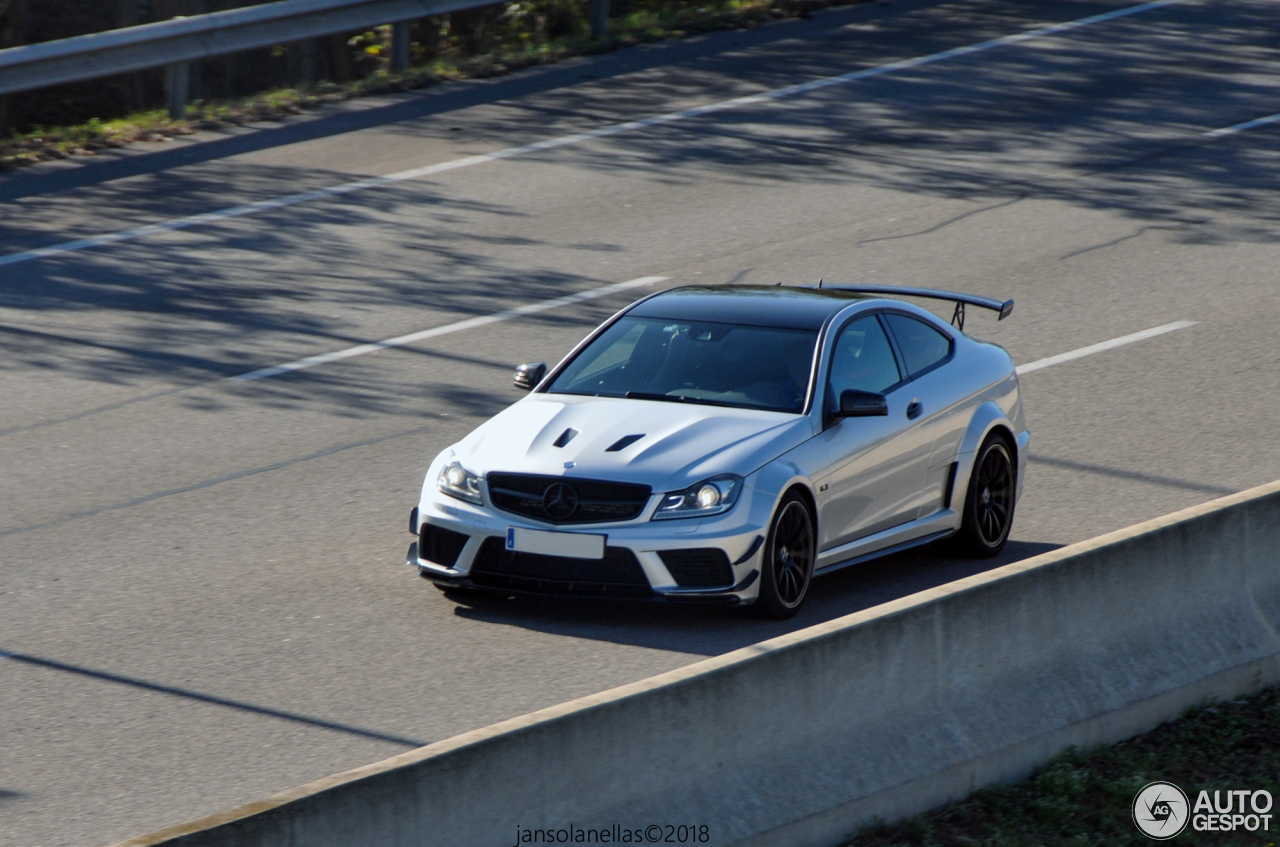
column 469, row 45
column 1083, row 799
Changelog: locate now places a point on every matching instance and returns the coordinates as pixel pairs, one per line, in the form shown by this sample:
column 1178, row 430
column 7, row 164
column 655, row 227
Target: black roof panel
column 751, row 305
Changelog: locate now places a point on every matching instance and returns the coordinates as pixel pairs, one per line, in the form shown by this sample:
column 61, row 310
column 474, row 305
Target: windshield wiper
column 678, row 398
column 644, row 395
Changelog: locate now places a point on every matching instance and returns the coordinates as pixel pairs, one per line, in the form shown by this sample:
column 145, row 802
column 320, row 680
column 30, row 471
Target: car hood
column 682, row 444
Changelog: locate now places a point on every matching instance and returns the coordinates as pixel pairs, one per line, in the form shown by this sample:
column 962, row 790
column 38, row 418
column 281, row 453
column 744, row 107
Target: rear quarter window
column 922, row 346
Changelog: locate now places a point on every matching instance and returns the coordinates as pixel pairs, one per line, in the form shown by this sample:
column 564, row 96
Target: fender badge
column 568, row 464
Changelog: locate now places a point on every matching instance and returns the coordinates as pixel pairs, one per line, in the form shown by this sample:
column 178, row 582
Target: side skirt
column 917, row 533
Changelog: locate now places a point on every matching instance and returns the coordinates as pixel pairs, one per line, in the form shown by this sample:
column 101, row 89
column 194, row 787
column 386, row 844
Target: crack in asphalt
column 210, row 699
column 209, row 483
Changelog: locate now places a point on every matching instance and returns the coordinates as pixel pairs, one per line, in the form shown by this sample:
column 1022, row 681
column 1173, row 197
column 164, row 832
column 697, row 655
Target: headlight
column 711, row 497
column 457, row 481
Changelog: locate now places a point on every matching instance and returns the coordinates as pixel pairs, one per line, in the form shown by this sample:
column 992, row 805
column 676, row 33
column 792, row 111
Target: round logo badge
column 1161, row 810
column 559, row 501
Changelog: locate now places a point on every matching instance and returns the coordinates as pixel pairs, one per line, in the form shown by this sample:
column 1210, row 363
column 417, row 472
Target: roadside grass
column 87, row 139
column 1083, row 798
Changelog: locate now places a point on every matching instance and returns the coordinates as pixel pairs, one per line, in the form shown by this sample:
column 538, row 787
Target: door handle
column 914, row 409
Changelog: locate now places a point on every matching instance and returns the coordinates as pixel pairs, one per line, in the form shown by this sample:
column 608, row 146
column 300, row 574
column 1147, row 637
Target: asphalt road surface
column 202, row 591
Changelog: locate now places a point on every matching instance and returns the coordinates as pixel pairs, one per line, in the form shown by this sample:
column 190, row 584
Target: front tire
column 990, row 501
column 789, row 553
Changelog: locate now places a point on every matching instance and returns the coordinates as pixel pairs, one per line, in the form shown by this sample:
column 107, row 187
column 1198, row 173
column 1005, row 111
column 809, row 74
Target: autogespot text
column 1232, row 810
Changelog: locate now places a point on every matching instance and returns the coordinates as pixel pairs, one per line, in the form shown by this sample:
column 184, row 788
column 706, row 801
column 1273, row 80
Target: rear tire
column 990, row 501
column 787, row 567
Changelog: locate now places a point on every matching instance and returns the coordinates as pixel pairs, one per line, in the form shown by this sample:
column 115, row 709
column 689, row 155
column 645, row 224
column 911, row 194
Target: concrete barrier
column 803, row 739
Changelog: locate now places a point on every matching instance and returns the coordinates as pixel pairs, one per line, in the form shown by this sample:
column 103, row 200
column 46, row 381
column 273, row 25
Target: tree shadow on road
column 412, row 108
column 1110, row 118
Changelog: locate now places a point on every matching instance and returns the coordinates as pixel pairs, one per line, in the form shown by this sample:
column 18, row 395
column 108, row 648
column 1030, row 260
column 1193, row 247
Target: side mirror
column 528, row 376
column 862, row 404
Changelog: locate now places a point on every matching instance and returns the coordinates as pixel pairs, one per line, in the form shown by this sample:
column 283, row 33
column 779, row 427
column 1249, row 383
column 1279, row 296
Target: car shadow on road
column 710, row 631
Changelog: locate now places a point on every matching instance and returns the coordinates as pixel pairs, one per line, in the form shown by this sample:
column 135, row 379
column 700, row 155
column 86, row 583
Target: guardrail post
column 309, row 60
column 599, row 18
column 400, row 47
column 177, row 88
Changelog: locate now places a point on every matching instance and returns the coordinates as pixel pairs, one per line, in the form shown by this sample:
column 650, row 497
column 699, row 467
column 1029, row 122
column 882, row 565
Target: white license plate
column 575, row 545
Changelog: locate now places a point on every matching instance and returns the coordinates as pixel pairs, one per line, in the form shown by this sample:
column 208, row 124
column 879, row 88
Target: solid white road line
column 544, row 305
column 565, row 140
column 1241, row 127
column 447, row 329
column 1105, row 345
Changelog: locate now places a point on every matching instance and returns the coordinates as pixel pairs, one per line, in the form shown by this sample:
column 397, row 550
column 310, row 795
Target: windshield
column 714, row 364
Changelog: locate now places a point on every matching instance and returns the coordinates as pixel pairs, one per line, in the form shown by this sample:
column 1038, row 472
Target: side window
column 862, row 360
column 922, row 346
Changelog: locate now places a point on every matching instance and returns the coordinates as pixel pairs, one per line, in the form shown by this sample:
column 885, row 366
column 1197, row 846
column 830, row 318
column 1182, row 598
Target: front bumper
column 531, row 586
column 645, row 560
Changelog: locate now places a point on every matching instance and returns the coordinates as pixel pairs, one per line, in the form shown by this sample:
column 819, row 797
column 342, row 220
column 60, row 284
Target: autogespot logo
column 1160, row 810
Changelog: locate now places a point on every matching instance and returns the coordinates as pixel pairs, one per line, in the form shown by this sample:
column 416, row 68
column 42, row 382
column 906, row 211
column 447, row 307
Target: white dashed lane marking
column 447, row 329
column 1102, row 346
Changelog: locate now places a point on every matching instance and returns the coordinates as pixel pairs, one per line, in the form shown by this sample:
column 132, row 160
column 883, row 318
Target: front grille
column 567, row 500
column 618, row 574
column 702, row 567
column 439, row 545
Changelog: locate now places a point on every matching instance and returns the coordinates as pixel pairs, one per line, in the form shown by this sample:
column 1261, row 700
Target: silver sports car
column 727, row 444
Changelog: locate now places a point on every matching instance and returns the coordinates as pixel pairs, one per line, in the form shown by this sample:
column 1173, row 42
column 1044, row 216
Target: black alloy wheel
column 988, row 507
column 788, row 561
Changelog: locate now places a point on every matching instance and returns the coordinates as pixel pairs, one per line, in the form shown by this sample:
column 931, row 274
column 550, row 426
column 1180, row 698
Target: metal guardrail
column 175, row 43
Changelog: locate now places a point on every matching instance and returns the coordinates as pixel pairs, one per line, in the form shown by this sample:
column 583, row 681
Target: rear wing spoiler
column 1004, row 308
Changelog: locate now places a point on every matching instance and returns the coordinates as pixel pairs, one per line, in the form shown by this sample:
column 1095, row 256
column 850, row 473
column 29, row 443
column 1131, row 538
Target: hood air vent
column 565, row 437
column 624, row 442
